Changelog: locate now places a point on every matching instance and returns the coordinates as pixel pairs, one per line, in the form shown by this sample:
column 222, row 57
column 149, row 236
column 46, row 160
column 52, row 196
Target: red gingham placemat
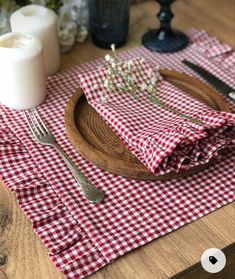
column 162, row 140
column 83, row 237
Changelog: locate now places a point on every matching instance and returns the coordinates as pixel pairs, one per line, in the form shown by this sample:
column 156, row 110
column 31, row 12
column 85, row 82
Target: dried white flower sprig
column 122, row 77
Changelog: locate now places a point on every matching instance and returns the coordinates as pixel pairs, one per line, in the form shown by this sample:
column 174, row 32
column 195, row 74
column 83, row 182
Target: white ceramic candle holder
column 22, row 77
column 42, row 23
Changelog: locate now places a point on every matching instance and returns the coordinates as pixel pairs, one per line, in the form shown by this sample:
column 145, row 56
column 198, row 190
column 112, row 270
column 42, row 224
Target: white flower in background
column 81, row 34
column 67, row 14
column 67, row 36
column 72, row 2
column 7, row 8
column 69, row 28
column 81, row 8
column 4, row 25
column 40, row 2
column 72, row 18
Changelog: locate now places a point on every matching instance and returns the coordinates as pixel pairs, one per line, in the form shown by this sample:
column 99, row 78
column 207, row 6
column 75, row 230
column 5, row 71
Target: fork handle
column 91, row 193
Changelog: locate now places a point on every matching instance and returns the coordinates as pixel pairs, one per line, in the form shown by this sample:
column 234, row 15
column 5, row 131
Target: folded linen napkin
column 162, row 139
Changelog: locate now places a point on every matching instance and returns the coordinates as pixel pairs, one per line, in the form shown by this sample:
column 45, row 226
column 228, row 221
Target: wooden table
column 22, row 255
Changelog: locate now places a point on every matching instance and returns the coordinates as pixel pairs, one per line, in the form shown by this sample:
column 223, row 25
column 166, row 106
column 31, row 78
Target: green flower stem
column 161, row 104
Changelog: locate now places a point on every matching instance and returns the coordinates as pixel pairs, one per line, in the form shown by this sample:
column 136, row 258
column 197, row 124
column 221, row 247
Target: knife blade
column 218, row 84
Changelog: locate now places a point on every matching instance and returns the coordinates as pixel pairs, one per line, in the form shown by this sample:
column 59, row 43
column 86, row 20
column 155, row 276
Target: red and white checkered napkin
column 162, row 140
column 82, row 237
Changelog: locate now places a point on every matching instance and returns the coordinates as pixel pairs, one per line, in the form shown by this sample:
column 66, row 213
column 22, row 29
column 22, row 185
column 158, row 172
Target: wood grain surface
column 96, row 142
column 22, row 255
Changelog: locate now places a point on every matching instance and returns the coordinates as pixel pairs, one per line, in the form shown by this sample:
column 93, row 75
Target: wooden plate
column 95, row 141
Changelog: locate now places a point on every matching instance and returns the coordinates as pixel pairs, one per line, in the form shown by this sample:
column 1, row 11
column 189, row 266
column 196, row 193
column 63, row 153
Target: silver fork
column 44, row 136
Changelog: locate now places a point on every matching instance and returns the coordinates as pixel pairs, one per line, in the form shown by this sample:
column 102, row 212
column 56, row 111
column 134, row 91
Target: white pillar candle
column 41, row 22
column 22, row 76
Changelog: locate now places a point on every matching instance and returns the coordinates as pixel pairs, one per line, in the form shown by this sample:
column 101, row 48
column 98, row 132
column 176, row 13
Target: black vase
column 109, row 22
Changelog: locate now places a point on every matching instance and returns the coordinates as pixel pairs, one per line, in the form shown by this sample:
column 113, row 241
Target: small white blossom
column 154, row 80
column 95, row 86
column 113, row 47
column 6, row 9
column 130, row 78
column 150, row 73
column 130, row 63
column 143, row 86
column 67, row 34
column 157, row 68
column 103, row 96
column 40, row 2
column 150, row 88
column 107, row 57
column 113, row 64
column 4, row 25
column 67, row 14
column 106, row 83
column 120, row 85
column 68, row 28
column 109, row 71
column 129, row 86
column 72, row 2
column 81, row 34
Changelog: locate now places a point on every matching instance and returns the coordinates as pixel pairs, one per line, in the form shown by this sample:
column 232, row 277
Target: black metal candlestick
column 165, row 39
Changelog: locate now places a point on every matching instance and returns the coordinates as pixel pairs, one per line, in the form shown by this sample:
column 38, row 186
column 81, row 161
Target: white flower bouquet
column 72, row 16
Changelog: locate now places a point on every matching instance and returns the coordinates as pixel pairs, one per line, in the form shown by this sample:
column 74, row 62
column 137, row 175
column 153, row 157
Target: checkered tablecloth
column 162, row 140
column 82, row 237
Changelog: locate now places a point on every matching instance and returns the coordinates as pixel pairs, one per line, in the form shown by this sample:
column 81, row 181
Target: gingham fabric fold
column 82, row 237
column 161, row 139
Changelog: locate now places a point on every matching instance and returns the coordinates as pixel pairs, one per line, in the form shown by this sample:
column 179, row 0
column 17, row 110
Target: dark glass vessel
column 165, row 39
column 109, row 22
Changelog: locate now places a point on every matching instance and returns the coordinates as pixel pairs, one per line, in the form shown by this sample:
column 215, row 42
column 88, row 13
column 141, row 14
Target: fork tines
column 35, row 122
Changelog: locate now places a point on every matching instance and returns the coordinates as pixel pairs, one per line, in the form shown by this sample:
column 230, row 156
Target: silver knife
column 212, row 80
